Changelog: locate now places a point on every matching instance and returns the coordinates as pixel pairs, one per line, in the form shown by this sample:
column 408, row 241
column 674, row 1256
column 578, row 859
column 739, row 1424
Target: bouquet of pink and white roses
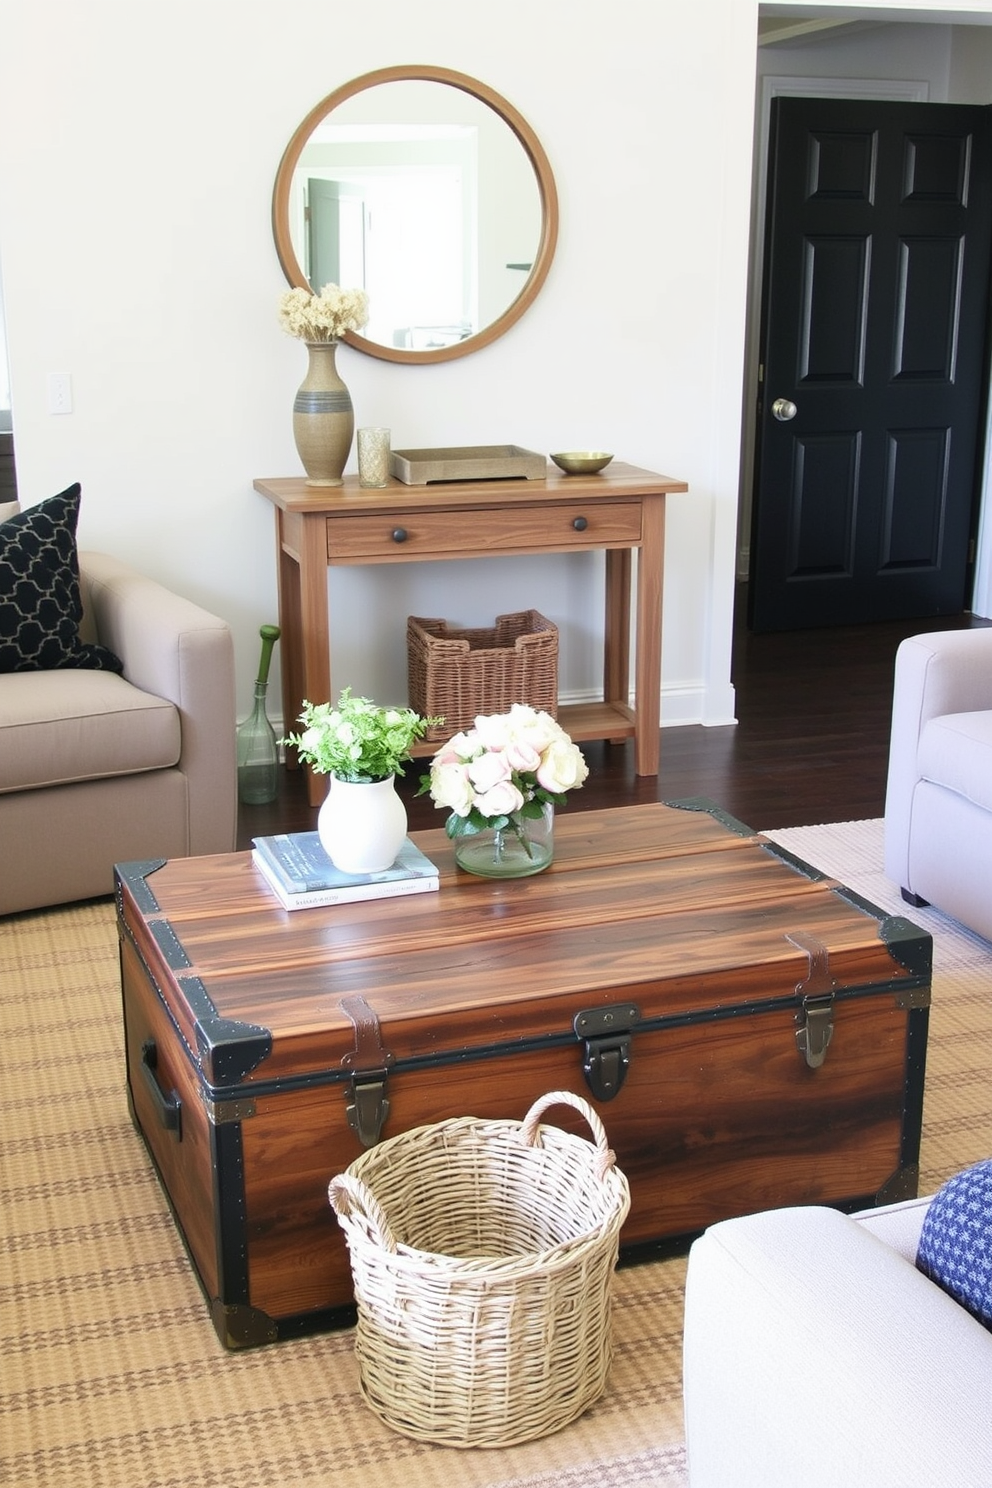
column 504, row 771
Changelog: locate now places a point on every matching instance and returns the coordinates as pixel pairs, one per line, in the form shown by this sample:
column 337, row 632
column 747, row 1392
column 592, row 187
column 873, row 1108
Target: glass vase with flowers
column 500, row 782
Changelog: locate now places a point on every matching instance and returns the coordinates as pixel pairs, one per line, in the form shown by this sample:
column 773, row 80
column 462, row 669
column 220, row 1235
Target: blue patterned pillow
column 40, row 603
column 955, row 1248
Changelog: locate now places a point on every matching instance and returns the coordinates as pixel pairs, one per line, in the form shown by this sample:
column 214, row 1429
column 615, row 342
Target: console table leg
column 306, row 651
column 647, row 664
column 616, row 647
column 290, row 650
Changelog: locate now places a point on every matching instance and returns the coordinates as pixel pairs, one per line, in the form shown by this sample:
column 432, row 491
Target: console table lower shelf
column 749, row 1034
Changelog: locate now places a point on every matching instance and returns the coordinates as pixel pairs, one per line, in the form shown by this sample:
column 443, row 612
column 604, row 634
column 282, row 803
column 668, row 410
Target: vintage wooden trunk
column 751, row 1034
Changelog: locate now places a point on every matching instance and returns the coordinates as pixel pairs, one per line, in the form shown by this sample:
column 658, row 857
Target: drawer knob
column 580, row 524
column 399, row 534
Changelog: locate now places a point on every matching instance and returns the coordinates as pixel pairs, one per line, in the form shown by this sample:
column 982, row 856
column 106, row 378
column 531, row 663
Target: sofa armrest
column 899, row 1226
column 943, row 672
column 173, row 649
column 816, row 1355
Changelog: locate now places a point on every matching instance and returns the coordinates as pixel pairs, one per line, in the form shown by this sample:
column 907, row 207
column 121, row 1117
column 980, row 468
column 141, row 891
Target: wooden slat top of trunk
column 669, row 908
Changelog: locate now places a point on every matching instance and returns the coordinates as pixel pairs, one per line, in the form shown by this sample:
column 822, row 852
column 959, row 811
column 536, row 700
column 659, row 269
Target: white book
column 361, row 886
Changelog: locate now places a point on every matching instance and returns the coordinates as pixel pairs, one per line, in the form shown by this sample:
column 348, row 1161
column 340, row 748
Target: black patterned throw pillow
column 40, row 603
column 955, row 1248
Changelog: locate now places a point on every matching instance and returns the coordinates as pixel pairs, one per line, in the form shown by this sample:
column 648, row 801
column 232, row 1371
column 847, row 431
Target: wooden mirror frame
column 532, row 147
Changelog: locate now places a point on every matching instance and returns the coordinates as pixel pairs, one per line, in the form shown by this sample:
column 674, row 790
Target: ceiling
column 782, row 30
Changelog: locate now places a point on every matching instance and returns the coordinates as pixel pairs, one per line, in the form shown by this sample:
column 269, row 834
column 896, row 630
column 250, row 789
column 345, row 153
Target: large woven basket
column 482, row 1255
column 457, row 674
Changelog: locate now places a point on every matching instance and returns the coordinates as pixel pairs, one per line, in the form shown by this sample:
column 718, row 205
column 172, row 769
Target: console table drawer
column 395, row 537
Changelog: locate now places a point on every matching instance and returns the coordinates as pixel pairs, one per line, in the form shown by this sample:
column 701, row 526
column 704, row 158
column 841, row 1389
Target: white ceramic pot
column 362, row 826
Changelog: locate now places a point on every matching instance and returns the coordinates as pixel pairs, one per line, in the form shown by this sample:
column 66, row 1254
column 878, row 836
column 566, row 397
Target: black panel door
column 874, row 322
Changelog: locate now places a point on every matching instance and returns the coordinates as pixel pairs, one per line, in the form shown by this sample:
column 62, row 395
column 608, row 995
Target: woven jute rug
column 111, row 1372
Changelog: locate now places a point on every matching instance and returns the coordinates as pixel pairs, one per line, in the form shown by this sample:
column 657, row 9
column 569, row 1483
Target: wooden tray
column 419, row 467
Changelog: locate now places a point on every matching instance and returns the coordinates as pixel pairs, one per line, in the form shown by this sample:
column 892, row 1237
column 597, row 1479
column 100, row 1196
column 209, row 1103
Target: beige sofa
column 97, row 768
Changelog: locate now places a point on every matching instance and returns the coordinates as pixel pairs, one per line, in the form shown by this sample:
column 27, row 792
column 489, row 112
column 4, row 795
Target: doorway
column 911, row 60
column 873, row 354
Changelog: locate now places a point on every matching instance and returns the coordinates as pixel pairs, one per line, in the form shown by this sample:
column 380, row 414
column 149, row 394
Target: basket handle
column 350, row 1198
column 606, row 1158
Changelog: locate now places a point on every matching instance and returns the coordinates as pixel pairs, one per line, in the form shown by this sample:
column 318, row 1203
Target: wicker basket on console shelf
column 457, row 674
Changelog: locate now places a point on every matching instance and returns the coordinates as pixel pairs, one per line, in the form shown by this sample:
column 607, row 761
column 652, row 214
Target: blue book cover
column 301, row 865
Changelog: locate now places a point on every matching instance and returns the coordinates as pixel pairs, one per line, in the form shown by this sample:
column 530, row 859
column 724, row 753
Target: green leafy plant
column 356, row 740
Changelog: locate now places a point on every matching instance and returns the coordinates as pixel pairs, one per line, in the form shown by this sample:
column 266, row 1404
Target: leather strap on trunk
column 369, row 1063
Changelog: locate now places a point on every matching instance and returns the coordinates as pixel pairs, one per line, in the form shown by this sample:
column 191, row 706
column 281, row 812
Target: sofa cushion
column 956, row 752
column 955, row 1248
column 58, row 727
column 40, row 603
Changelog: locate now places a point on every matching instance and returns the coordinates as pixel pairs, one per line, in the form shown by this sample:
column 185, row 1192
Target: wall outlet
column 59, row 392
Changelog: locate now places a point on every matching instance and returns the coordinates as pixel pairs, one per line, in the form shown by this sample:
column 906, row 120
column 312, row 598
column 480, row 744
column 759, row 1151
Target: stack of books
column 302, row 876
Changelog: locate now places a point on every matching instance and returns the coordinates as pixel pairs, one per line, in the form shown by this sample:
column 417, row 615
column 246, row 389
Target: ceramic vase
column 362, row 826
column 323, row 418
column 525, row 846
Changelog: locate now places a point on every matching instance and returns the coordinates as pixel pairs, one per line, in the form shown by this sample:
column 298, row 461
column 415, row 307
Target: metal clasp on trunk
column 816, row 1013
column 606, row 1033
column 367, row 1106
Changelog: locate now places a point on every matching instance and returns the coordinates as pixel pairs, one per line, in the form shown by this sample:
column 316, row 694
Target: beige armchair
column 97, row 768
column 938, row 804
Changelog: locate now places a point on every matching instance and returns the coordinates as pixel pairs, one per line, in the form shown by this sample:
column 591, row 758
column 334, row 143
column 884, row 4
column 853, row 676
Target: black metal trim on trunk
column 135, row 875
column 236, row 1321
column 712, row 808
column 227, row 1049
column 917, row 1033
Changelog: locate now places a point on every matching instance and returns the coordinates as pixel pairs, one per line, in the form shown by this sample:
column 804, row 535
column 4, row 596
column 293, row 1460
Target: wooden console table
column 619, row 510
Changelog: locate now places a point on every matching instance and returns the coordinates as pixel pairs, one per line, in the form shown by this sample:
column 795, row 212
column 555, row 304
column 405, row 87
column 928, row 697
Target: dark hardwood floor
column 810, row 745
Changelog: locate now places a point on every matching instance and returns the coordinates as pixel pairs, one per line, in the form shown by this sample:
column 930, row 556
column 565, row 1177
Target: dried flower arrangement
column 324, row 316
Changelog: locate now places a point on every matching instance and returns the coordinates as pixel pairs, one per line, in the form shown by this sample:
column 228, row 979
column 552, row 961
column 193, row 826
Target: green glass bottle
column 258, row 753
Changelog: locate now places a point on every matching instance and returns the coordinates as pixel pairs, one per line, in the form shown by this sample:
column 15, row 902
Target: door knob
column 783, row 410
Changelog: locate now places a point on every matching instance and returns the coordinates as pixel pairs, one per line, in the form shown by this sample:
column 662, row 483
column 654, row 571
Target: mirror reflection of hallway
column 335, row 234
column 428, row 190
column 409, row 238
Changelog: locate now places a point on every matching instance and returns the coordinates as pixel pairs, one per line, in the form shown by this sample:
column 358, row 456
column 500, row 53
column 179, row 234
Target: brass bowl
column 582, row 462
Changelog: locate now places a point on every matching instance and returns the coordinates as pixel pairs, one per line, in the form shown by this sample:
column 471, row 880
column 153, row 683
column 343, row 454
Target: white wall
column 138, row 148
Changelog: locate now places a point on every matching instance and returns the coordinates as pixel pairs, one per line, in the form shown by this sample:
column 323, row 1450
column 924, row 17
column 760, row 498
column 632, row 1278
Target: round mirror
column 429, row 191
